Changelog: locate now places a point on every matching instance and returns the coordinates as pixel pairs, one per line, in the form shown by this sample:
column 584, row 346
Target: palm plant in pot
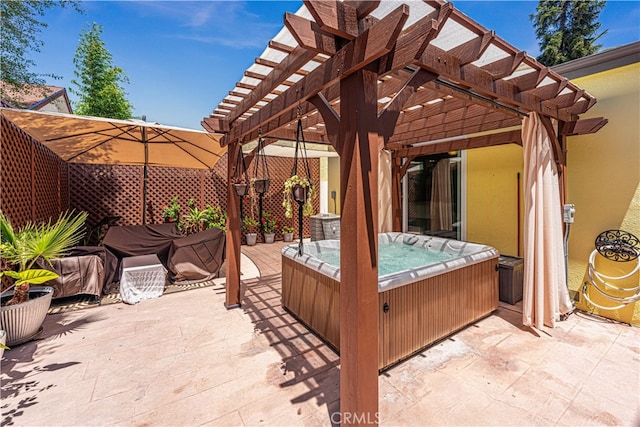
column 22, row 316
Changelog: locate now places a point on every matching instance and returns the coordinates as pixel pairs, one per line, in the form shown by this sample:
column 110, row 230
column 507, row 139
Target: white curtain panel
column 545, row 294
column 440, row 210
column 385, row 221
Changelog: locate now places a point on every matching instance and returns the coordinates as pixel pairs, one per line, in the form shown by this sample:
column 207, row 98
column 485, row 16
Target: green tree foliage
column 98, row 81
column 20, row 25
column 567, row 29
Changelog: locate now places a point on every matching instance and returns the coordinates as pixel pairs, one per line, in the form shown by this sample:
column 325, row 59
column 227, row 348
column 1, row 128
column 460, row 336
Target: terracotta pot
column 23, row 322
column 269, row 237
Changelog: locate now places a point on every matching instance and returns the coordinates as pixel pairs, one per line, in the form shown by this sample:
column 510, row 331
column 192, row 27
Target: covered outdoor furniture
column 134, row 240
column 85, row 270
column 197, row 257
column 189, row 259
column 143, row 277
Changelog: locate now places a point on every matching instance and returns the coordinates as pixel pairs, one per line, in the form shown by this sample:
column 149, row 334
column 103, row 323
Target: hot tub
column 418, row 305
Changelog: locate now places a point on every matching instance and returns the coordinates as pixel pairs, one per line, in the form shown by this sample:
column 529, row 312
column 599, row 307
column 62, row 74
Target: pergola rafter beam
column 309, row 35
column 474, row 125
column 366, row 48
column 296, row 59
column 337, row 18
column 511, row 137
column 388, row 117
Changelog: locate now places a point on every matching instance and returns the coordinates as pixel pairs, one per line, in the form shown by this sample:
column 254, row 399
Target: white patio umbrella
column 97, row 140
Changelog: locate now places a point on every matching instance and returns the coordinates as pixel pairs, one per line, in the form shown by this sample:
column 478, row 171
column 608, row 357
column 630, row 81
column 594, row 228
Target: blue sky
column 182, row 58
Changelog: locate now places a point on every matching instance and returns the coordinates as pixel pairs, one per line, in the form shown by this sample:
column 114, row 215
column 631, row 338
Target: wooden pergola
column 417, row 78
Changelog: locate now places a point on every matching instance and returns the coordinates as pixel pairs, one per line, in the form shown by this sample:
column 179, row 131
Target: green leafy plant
column 215, row 218
column 22, row 248
column 287, row 203
column 287, row 229
column 198, row 220
column 249, row 225
column 270, row 223
column 194, row 220
column 171, row 212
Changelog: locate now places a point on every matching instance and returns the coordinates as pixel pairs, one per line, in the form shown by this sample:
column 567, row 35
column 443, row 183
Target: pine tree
column 567, row 29
column 98, row 81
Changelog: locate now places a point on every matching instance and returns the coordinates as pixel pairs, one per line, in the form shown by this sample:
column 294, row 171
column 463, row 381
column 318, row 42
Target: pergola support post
column 359, row 140
column 232, row 294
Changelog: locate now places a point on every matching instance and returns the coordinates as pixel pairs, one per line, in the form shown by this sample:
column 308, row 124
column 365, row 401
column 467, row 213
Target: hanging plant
column 260, row 178
column 240, row 185
column 300, row 190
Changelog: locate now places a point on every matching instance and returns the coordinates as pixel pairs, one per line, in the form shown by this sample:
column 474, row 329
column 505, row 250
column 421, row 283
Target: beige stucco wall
column 333, row 174
column 603, row 173
column 492, row 197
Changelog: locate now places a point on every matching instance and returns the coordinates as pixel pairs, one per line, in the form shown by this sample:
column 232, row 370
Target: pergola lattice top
column 442, row 76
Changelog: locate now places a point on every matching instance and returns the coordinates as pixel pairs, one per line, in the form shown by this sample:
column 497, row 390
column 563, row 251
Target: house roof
column 40, row 97
column 602, row 61
column 445, row 76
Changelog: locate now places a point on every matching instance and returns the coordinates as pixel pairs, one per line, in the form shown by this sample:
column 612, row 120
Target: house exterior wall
column 603, row 171
column 333, row 175
column 492, row 197
column 603, row 181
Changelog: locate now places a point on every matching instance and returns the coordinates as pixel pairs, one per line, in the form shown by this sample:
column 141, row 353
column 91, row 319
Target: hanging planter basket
column 241, row 179
column 261, row 185
column 300, row 193
column 241, row 189
column 299, row 188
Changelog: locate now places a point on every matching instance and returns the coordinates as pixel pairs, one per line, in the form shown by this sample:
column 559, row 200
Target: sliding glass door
column 433, row 194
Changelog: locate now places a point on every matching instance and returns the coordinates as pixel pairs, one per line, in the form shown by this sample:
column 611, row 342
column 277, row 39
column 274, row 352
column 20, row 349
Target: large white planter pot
column 269, row 237
column 288, row 237
column 3, row 340
column 23, row 322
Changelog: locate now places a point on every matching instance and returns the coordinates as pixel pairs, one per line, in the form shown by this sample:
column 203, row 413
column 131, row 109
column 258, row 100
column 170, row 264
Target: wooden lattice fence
column 37, row 185
column 34, row 182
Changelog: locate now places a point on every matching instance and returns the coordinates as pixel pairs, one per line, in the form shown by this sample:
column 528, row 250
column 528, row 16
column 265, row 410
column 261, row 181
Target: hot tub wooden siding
column 420, row 313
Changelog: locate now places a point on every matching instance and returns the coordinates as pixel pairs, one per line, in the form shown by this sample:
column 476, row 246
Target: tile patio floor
column 183, row 359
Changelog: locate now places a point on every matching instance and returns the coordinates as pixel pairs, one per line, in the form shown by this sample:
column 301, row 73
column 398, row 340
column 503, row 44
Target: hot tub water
column 394, row 257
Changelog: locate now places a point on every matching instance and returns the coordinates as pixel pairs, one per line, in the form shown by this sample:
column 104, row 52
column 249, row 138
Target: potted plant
column 215, row 218
column 171, row 213
column 261, row 185
column 287, row 233
column 21, row 316
column 300, row 190
column 270, row 224
column 241, row 188
column 250, row 226
column 193, row 221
